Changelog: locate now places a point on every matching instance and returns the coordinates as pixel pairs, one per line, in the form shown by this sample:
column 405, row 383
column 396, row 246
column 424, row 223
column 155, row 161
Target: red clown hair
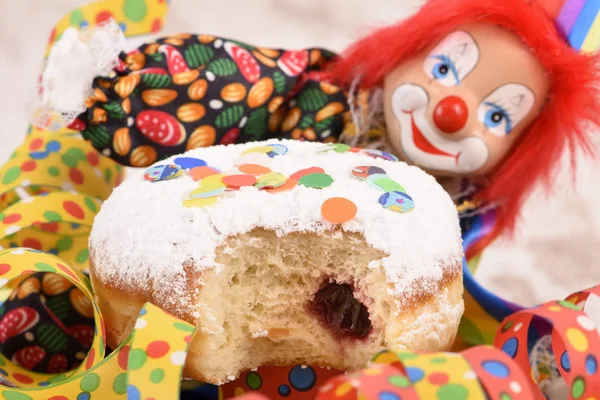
column 572, row 109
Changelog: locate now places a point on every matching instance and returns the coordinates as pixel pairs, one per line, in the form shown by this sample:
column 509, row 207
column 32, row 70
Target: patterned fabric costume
column 190, row 91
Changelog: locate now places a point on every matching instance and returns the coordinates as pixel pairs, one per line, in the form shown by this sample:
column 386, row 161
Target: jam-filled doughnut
column 282, row 252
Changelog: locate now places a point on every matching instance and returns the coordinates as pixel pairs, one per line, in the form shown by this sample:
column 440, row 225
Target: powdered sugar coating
column 144, row 232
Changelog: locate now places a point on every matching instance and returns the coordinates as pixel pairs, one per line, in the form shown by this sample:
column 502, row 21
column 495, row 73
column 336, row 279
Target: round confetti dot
column 591, row 364
column 238, row 181
column 438, row 360
column 302, row 378
column 64, row 244
column 140, row 323
column 400, row 381
column 103, row 16
column 12, row 229
column 82, row 256
column 84, row 396
column 22, row 378
column 90, row 382
column 568, row 304
column 415, row 374
column 93, row 158
column 52, row 216
column 287, row 186
column 578, row 387
column 284, row 390
column 554, row 308
column 28, row 166
column 388, row 396
column 452, row 391
column 518, row 327
column 157, row 375
column 11, row 175
column 32, row 243
column 178, row 358
column 316, row 181
column 4, row 268
column 271, row 180
column 90, row 204
column 137, row 358
column 135, row 10
column 133, row 393
column 495, row 368
column 157, row 349
column 343, row 389
column 511, row 346
column 11, row 219
column 397, row 201
column 577, row 339
column 254, row 169
column 338, row 210
column 515, row 387
column 586, row 323
column 505, row 396
column 36, row 144
column 53, row 171
column 253, row 380
column 76, row 176
column 565, row 363
column 438, row 378
column 470, row 375
column 387, row 185
column 10, row 395
column 189, row 162
column 58, row 398
column 307, row 171
column 508, row 325
column 39, row 155
column 159, row 173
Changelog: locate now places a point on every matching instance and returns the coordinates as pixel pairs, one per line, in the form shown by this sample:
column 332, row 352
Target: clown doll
column 484, row 95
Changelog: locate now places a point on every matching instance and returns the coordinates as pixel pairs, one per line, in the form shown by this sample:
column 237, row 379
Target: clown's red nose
column 450, row 115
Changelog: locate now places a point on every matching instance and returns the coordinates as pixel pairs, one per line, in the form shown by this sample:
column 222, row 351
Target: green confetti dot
column 76, row 18
column 389, row 185
column 11, row 175
column 52, row 216
column 183, row 327
column 54, row 171
column 2, row 361
column 65, row 244
column 135, row 10
column 90, row 204
column 72, row 157
column 107, row 175
column 399, row 381
column 120, row 384
column 568, row 304
column 438, row 360
column 82, row 256
column 137, row 358
column 578, row 388
column 452, row 391
column 157, row 375
column 508, row 325
column 45, row 267
column 10, row 395
column 2, row 215
column 253, row 380
column 406, row 356
column 90, row 382
column 316, row 181
column 56, row 378
column 505, row 396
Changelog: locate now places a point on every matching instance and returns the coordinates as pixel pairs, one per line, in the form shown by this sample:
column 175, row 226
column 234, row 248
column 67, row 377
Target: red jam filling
column 341, row 312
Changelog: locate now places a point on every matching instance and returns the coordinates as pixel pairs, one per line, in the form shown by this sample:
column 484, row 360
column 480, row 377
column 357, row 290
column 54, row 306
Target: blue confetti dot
column 510, row 347
column 83, row 24
column 189, row 162
column 38, row 155
column 302, row 378
column 75, row 226
column 3, row 372
column 143, row 312
column 53, row 251
column 43, row 194
column 591, row 365
column 415, row 374
column 13, row 245
column 388, row 396
column 53, row 146
column 284, row 390
column 44, row 383
column 495, row 368
column 133, row 393
column 84, row 396
column 123, row 26
column 565, row 363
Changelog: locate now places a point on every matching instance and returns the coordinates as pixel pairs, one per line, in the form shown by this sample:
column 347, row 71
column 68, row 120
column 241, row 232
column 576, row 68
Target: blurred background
column 557, row 248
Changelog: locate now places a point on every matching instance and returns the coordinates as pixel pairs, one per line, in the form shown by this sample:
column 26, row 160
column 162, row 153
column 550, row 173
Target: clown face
column 459, row 108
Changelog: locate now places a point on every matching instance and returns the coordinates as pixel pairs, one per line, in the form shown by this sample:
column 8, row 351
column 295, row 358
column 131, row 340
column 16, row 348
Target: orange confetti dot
column 238, row 181
column 254, row 169
column 202, row 172
column 307, row 171
column 338, row 210
column 288, row 185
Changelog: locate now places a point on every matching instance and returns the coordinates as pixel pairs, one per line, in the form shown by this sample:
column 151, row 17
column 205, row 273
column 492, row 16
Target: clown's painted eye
column 497, row 120
column 445, row 71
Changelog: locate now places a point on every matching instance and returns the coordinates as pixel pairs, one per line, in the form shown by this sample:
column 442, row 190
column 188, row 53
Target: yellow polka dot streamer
column 148, row 364
column 135, row 17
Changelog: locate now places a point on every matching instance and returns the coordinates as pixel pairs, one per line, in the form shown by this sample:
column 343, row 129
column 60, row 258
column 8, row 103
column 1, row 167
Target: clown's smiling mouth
column 422, row 143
